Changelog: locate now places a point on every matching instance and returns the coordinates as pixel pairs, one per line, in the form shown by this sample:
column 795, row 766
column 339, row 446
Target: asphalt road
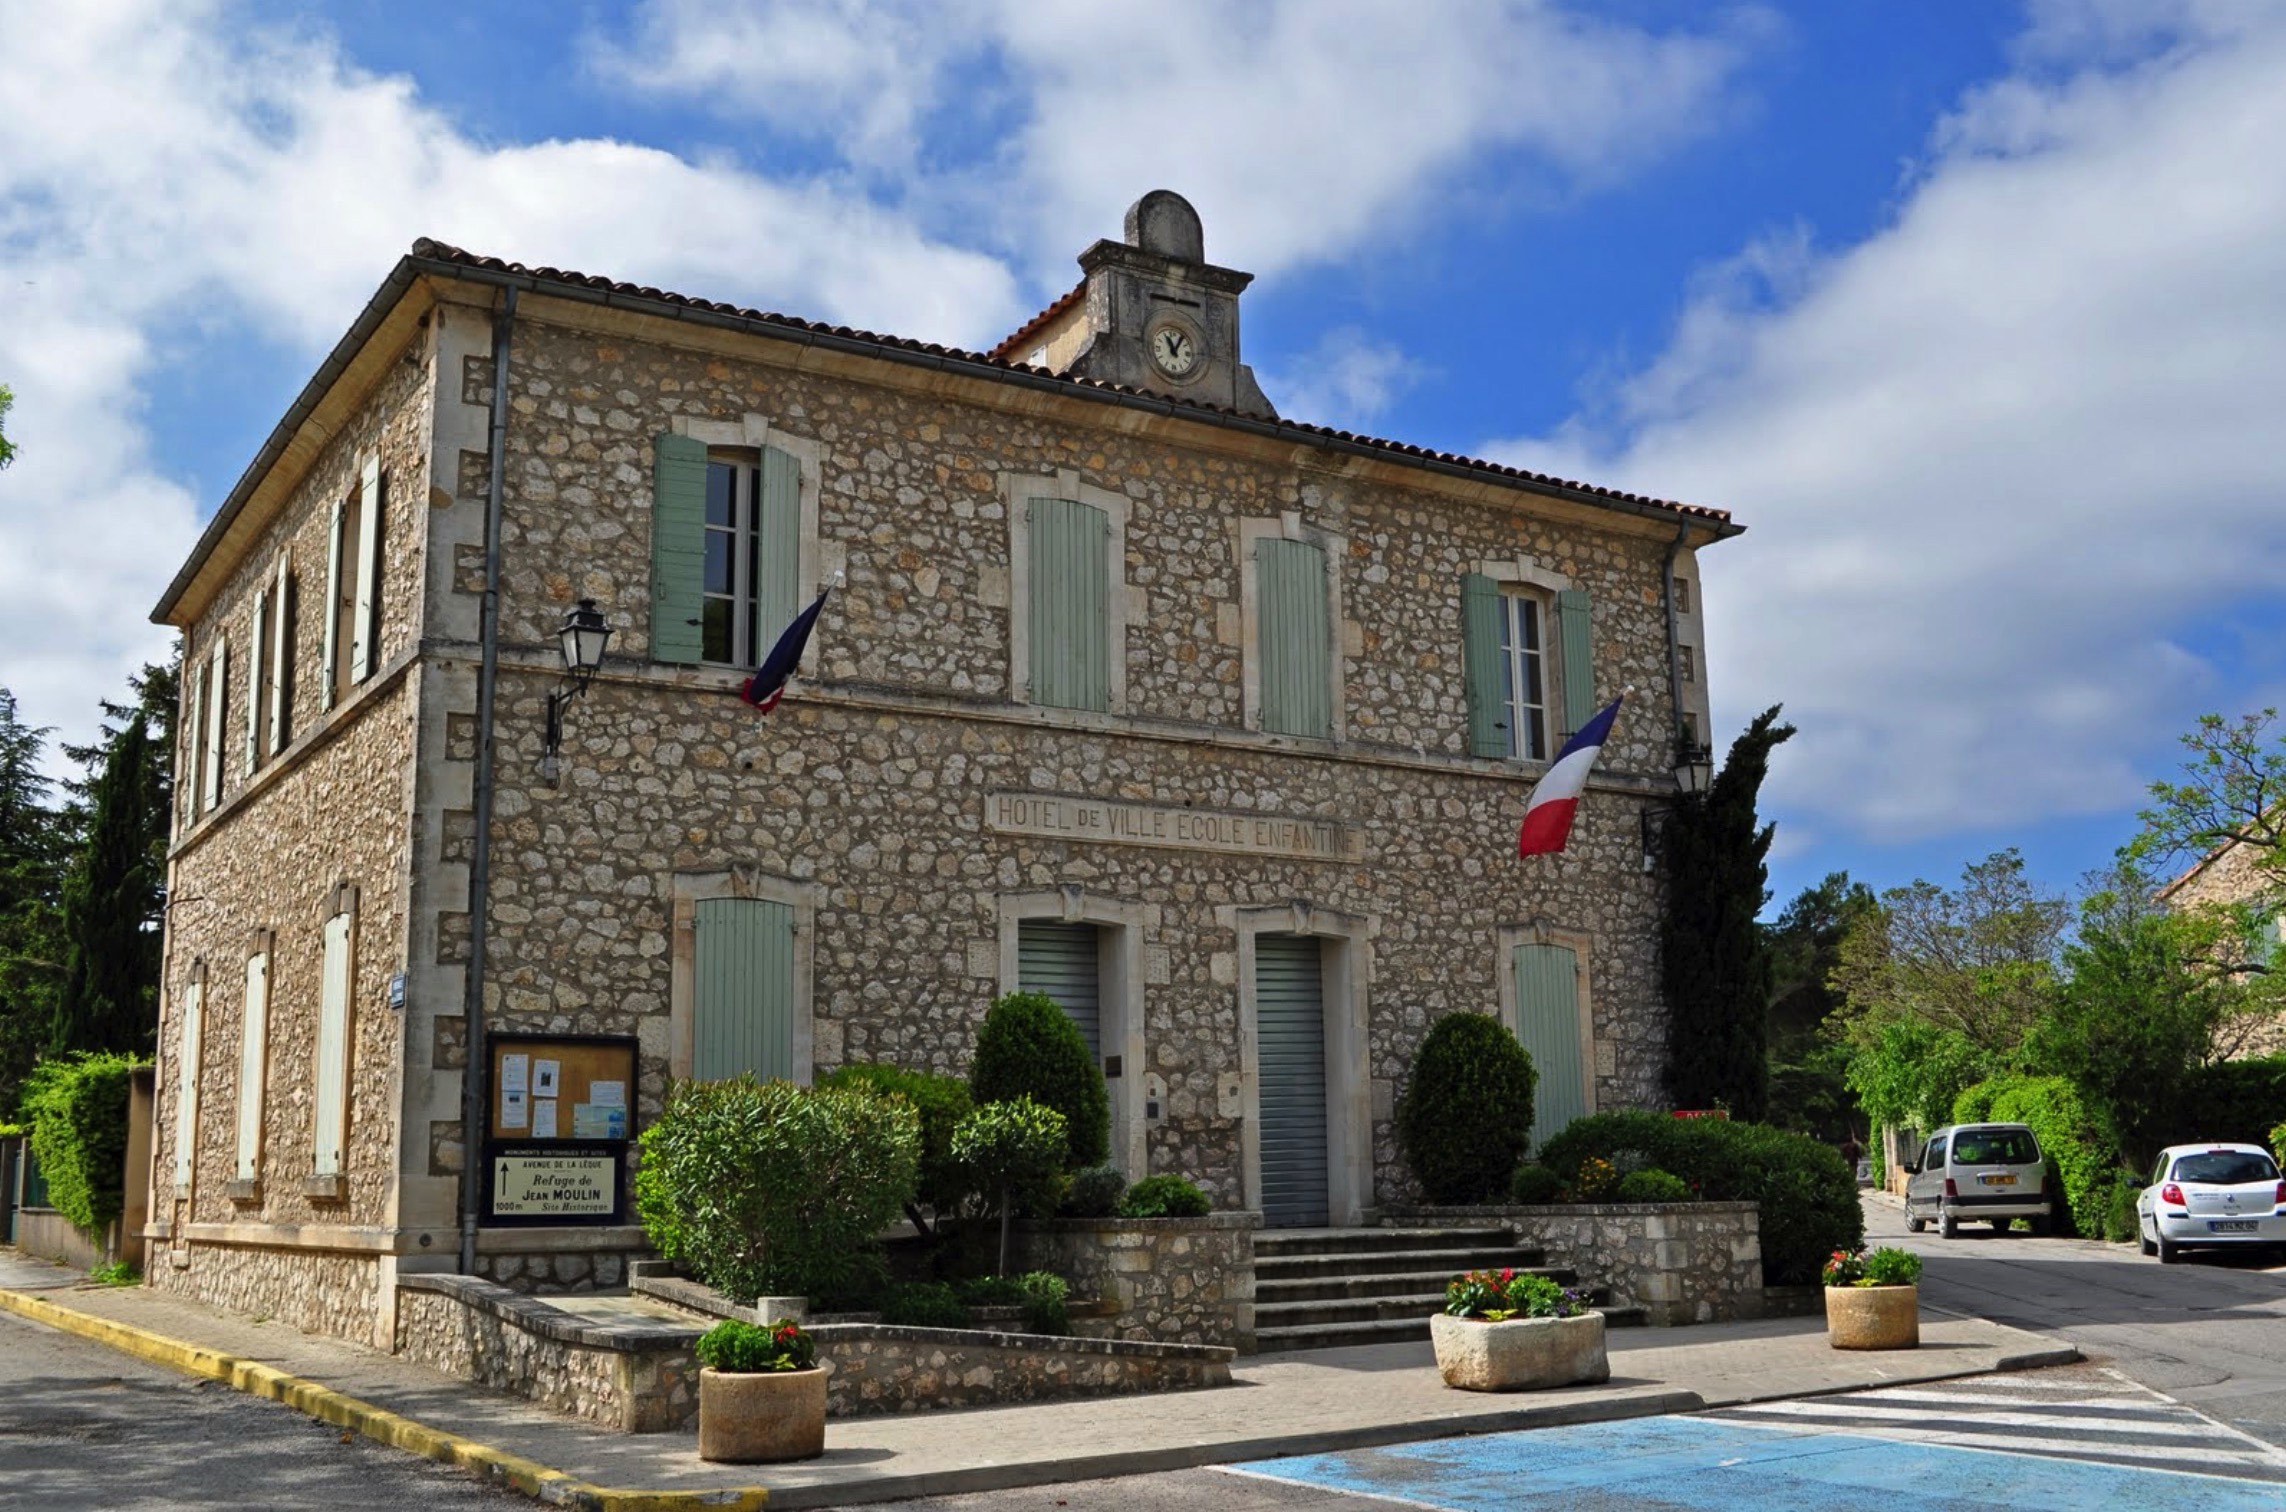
column 84, row 1428
column 2209, row 1332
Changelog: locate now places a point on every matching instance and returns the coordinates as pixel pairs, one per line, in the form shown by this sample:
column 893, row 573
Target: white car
column 2217, row 1194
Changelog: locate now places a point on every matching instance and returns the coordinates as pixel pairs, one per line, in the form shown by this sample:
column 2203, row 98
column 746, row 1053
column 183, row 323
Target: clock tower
column 1152, row 313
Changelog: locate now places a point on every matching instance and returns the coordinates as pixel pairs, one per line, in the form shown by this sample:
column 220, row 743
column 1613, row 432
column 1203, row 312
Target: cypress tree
column 112, row 900
column 1715, row 958
column 32, row 852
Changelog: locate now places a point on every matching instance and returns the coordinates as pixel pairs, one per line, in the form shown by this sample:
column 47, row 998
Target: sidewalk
column 1276, row 1405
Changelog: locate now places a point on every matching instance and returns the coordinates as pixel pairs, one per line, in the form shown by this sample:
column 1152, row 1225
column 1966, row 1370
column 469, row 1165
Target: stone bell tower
column 1152, row 313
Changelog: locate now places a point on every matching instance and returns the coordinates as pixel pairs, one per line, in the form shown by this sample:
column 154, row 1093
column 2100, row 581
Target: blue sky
column 1971, row 311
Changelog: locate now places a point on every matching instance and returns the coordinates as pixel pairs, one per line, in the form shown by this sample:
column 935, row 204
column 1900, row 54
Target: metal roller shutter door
column 1290, row 1026
column 1061, row 961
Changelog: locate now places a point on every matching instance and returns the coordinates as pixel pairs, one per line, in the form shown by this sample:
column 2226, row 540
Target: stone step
column 1451, row 1261
column 1316, row 1288
column 1275, row 1315
column 1282, row 1242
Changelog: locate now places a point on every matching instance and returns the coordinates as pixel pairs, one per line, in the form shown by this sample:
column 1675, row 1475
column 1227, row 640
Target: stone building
column 2232, row 873
column 1215, row 725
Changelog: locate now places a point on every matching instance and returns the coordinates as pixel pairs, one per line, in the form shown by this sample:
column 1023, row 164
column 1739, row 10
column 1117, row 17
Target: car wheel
column 2169, row 1251
column 2143, row 1240
column 1948, row 1227
column 2039, row 1227
column 1913, row 1225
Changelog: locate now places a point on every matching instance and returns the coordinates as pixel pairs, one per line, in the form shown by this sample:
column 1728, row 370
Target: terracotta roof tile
column 440, row 252
column 1012, row 344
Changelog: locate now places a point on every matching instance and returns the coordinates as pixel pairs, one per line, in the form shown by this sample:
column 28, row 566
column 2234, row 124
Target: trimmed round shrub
column 1010, row 1154
column 941, row 1101
column 1466, row 1113
column 1806, row 1192
column 1029, row 1047
column 925, row 1304
column 1652, row 1185
column 766, row 1187
column 1534, row 1185
column 1094, row 1193
column 1164, row 1196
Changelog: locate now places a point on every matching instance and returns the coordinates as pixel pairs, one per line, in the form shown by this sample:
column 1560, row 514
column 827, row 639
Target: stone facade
column 2234, row 874
column 1173, row 1280
column 876, row 1368
column 867, row 801
column 635, row 1379
column 1686, row 1262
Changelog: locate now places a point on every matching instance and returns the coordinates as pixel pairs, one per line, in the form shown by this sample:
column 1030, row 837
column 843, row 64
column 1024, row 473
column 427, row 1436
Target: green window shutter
column 1296, row 638
column 777, row 580
column 1548, row 1025
column 331, row 657
column 743, row 1019
column 1070, row 616
column 678, row 546
column 1485, row 676
column 1574, row 634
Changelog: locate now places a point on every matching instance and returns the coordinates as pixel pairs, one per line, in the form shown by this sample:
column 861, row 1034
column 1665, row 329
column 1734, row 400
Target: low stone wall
column 637, row 1379
column 1172, row 1280
column 1685, row 1262
column 879, row 1368
column 49, row 1234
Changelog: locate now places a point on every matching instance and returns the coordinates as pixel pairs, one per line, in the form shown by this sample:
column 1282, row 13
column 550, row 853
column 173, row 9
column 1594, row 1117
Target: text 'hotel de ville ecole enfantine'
column 1213, row 725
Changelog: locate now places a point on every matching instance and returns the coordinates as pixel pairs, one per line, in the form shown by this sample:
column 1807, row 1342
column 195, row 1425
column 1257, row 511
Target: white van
column 1981, row 1173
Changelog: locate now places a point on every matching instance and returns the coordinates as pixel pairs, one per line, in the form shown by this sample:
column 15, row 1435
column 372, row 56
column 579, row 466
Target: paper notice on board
column 544, row 1117
column 607, row 1094
column 546, row 1077
column 514, row 1111
column 515, row 1074
column 590, row 1121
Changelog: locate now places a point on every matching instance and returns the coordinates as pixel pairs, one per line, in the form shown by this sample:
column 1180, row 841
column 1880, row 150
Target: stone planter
column 1873, row 1317
column 754, row 1417
column 1521, row 1354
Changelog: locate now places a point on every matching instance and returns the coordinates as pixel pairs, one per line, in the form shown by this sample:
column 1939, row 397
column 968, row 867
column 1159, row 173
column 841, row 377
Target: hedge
column 2233, row 1102
column 77, row 1109
column 1806, row 1192
column 2080, row 1163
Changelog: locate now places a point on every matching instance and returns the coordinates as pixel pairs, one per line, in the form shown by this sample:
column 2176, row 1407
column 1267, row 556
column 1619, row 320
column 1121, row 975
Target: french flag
column 1548, row 817
column 768, row 684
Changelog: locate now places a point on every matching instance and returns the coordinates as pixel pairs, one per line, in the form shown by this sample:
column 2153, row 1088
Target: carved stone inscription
column 1054, row 816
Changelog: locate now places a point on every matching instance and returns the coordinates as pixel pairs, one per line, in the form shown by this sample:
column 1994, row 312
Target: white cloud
column 1347, row 380
column 170, row 174
column 1300, row 129
column 2000, row 459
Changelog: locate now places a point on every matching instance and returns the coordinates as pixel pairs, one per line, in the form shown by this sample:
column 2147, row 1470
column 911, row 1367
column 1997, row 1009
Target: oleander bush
column 941, row 1102
column 1165, row 1196
column 76, row 1108
column 768, row 1188
column 1465, row 1116
column 1029, row 1047
column 1806, row 1192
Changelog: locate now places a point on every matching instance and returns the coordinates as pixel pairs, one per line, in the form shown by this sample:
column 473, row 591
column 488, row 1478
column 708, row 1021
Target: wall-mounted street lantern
column 583, row 635
column 1694, row 774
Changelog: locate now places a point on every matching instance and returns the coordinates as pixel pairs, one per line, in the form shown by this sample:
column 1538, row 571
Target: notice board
column 560, row 1115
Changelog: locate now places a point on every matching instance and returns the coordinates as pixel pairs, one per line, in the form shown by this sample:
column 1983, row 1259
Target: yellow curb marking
column 324, row 1403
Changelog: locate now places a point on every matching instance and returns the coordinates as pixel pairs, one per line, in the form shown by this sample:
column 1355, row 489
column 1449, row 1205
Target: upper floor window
column 1290, row 609
column 270, row 651
column 1070, row 603
column 353, row 586
column 1524, row 665
column 1527, row 648
column 726, row 536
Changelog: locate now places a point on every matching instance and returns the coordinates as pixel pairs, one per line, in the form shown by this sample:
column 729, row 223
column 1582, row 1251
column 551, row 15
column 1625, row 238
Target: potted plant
column 1873, row 1300
column 762, row 1394
column 1504, row 1332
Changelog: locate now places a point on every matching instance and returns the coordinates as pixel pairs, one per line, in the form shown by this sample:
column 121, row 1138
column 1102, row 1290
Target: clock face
column 1174, row 351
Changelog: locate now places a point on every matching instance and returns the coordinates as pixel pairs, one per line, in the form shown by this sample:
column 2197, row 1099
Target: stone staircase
column 1325, row 1288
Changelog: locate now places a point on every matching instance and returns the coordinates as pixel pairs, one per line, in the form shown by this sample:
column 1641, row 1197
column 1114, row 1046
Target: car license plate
column 2231, row 1226
column 2003, row 1180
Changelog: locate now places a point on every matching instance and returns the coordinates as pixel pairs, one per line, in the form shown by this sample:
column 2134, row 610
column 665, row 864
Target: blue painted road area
column 1878, row 1449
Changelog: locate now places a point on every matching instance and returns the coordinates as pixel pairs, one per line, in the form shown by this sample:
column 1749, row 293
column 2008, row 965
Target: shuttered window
column 1575, row 632
column 192, row 741
column 726, row 535
column 743, row 1009
column 1290, row 1030
column 678, row 546
column 253, row 1064
column 1070, row 612
column 186, row 1079
column 257, row 651
column 1064, row 961
column 335, row 998
column 1528, row 671
column 217, row 700
column 279, row 669
column 1548, row 1025
column 1296, row 638
column 329, row 659
column 365, row 608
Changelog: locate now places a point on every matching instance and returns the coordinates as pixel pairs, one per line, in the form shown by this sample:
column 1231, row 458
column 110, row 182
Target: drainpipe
column 472, row 1076
column 1674, row 642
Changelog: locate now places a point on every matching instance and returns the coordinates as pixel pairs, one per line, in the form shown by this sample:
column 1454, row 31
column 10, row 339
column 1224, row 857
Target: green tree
column 1029, row 1047
column 7, row 447
column 2233, row 791
column 112, row 902
column 1715, row 960
column 1809, row 1088
column 32, row 856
